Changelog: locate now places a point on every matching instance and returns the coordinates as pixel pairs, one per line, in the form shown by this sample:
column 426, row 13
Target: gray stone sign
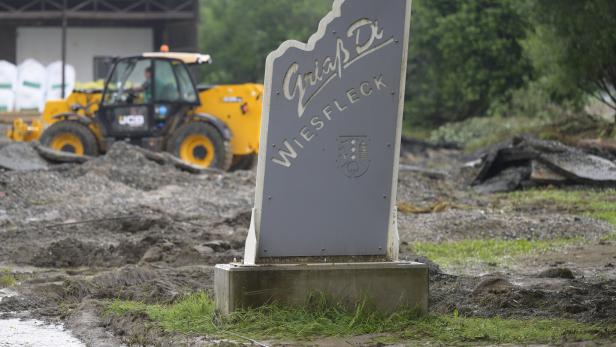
column 324, row 218
column 330, row 135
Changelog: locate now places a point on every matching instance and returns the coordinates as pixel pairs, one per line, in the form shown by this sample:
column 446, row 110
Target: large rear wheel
column 200, row 144
column 70, row 136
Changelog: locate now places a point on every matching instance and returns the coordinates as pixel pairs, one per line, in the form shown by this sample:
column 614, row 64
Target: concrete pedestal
column 389, row 285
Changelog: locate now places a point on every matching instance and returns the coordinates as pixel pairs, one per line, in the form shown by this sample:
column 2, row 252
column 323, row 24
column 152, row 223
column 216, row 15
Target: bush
column 478, row 132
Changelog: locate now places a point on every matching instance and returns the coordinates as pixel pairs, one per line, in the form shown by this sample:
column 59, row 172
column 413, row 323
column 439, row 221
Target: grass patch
column 491, row 252
column 195, row 314
column 6, row 278
column 479, row 132
column 599, row 204
column 455, row 330
column 415, row 132
column 476, row 133
column 609, row 237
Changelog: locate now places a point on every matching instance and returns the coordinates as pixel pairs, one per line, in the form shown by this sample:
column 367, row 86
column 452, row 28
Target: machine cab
column 144, row 94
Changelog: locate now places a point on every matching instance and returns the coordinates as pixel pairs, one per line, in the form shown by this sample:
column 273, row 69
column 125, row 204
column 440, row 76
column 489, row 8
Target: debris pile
column 30, row 156
column 525, row 161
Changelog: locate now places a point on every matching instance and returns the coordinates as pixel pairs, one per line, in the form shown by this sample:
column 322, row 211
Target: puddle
column 32, row 332
column 15, row 332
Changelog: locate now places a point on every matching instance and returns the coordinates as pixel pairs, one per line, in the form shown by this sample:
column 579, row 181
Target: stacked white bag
column 54, row 80
column 30, row 88
column 8, row 79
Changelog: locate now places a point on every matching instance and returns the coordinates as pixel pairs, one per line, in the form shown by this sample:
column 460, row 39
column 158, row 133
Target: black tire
column 221, row 149
column 244, row 162
column 71, row 128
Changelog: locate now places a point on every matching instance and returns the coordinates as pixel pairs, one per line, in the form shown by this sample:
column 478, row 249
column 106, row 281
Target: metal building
column 95, row 30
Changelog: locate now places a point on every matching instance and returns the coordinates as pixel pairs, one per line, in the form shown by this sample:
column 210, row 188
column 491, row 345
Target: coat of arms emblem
column 353, row 155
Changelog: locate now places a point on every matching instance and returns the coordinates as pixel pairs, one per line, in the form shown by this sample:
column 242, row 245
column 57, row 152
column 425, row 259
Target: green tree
column 463, row 56
column 573, row 48
column 240, row 33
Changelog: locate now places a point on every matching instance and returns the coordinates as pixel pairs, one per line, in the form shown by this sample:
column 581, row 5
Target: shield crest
column 353, row 159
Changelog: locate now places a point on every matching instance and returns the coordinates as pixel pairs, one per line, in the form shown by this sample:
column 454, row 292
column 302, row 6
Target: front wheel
column 200, row 144
column 70, row 136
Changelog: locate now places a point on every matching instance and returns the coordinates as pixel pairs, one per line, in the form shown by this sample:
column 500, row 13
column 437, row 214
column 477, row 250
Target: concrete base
column 389, row 285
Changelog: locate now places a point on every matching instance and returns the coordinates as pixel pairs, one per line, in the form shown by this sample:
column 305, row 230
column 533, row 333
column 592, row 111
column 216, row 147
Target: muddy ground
column 123, row 226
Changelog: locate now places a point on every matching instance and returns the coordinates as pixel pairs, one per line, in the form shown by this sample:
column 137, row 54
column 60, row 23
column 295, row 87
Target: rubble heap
column 525, row 161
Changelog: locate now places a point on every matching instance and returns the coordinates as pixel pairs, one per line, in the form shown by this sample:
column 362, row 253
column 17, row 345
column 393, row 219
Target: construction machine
column 151, row 100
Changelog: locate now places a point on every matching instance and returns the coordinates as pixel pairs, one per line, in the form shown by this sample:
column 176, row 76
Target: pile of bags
column 29, row 85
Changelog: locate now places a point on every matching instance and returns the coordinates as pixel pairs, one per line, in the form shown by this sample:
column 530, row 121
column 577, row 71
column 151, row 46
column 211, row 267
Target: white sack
column 8, row 80
column 30, row 88
column 54, row 80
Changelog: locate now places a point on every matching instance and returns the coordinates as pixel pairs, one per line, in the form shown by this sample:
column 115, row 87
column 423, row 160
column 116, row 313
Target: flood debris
column 525, row 161
column 438, row 206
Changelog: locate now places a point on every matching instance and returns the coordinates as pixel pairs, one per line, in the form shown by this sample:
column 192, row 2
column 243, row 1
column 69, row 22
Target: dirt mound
column 21, row 156
column 71, row 252
column 241, row 220
column 493, row 284
column 455, row 225
column 558, row 272
column 496, row 296
column 128, row 164
column 146, row 284
column 122, row 208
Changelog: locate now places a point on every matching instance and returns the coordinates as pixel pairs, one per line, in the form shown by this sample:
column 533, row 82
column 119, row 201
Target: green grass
column 6, row 278
column 596, row 203
column 448, row 329
column 195, row 315
column 491, row 252
column 609, row 237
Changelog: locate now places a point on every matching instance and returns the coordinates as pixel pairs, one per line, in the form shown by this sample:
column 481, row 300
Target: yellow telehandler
column 151, row 100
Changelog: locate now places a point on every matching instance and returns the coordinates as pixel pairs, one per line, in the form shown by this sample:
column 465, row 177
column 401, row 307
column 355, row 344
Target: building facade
column 96, row 30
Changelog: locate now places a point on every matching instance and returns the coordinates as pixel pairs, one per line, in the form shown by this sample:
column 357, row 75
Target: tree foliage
column 464, row 55
column 573, row 47
column 466, row 58
column 240, row 33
